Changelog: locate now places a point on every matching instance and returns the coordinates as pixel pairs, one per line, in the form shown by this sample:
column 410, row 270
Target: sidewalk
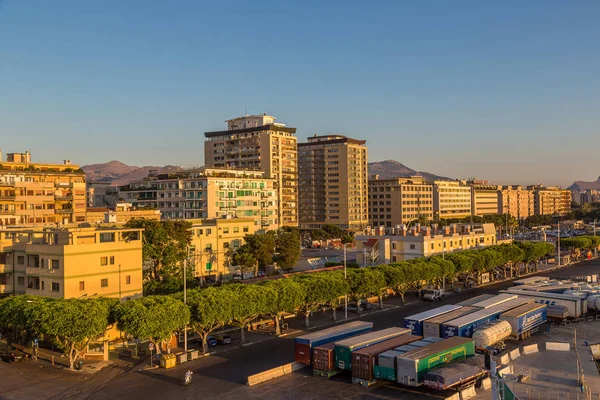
column 55, row 358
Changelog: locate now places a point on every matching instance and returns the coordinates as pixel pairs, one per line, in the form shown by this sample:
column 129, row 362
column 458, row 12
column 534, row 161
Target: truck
column 431, row 326
column 575, row 305
column 489, row 336
column 412, row 366
column 494, row 301
column 530, row 280
column 415, row 322
column 433, row 294
column 458, row 373
column 524, row 319
column 304, row 344
column 476, row 299
column 344, row 348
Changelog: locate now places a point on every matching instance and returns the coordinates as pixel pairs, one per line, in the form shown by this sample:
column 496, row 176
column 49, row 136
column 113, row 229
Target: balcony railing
column 9, row 197
column 7, row 212
column 64, row 211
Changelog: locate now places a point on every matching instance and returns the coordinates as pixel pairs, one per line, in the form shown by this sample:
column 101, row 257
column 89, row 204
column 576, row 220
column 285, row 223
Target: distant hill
column 118, row 173
column 581, row 185
column 393, row 169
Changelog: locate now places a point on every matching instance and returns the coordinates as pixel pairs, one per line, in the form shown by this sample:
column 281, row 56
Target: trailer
column 531, row 280
column 491, row 335
column 494, row 301
column 415, row 322
column 459, row 373
column 575, row 305
column 431, row 327
column 476, row 299
column 525, row 318
column 386, row 365
column 412, row 366
column 303, row 345
column 324, row 360
column 344, row 348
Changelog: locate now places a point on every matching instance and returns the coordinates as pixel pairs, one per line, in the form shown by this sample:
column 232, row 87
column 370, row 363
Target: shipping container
column 365, row 359
column 494, row 301
column 415, row 322
column 575, row 306
column 489, row 335
column 455, row 374
column 524, row 318
column 304, row 344
column 411, row 366
column 559, row 312
column 344, row 348
column 530, row 280
column 324, row 357
column 386, row 365
column 476, row 299
column 431, row 327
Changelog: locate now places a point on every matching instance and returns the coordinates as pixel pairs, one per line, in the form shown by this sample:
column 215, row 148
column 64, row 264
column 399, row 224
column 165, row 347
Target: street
column 223, row 376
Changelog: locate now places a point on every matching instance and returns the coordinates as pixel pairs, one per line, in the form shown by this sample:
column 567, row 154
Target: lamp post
column 185, row 264
column 558, row 243
column 596, row 247
column 346, row 296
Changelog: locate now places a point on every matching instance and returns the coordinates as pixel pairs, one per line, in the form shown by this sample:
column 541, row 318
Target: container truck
column 575, row 305
column 412, row 366
column 459, row 373
column 476, row 299
column 494, row 301
column 431, row 327
column 525, row 318
column 491, row 335
column 364, row 360
column 304, row 344
column 344, row 348
column 415, row 322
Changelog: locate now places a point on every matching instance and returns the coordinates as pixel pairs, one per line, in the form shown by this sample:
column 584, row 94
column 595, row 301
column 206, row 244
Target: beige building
column 141, row 194
column 550, row 200
column 484, row 198
column 516, row 201
column 120, row 214
column 451, row 199
column 71, row 262
column 401, row 245
column 35, row 193
column 213, row 241
column 101, row 194
column 332, row 182
column 399, row 201
column 257, row 142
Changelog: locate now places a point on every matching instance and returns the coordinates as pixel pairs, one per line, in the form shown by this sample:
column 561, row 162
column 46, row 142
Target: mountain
column 118, row 173
column 581, row 185
column 393, row 169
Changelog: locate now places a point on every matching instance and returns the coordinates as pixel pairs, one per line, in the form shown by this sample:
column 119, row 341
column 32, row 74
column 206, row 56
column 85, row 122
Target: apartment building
column 583, row 196
column 332, row 182
column 399, row 244
column 101, row 194
column 484, row 198
column 516, row 201
column 213, row 242
column 36, row 193
column 258, row 143
column 550, row 200
column 74, row 262
column 120, row 214
column 451, row 199
column 399, row 201
column 141, row 194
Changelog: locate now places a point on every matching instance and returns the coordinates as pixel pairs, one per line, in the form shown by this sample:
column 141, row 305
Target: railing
column 64, row 211
column 9, row 197
column 7, row 212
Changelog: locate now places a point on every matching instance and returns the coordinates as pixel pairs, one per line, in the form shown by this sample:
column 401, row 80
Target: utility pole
column 185, row 264
column 596, row 247
column 345, row 297
column 558, row 244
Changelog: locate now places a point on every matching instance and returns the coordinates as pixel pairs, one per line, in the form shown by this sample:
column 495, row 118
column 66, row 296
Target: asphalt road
column 224, row 376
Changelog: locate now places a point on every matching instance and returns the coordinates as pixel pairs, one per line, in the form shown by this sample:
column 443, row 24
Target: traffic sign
column 150, row 346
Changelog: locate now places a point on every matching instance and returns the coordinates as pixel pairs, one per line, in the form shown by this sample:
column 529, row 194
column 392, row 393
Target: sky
column 507, row 91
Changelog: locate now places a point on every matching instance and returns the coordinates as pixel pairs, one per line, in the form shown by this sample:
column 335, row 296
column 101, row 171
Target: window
column 128, row 279
column 200, row 232
column 208, row 232
column 225, row 230
column 236, row 229
column 412, row 246
column 208, row 246
column 3, row 258
column 20, row 260
column 245, row 229
column 432, row 246
column 103, row 260
column 393, row 245
column 81, row 285
column 21, row 281
column 225, row 245
column 393, row 258
column 104, row 282
column 55, row 287
column 42, row 285
column 107, row 237
column 55, row 264
column 112, row 260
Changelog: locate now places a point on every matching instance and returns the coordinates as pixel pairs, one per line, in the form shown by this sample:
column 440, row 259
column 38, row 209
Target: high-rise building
column 399, row 201
column 550, row 200
column 516, row 201
column 36, row 193
column 484, row 198
column 451, row 199
column 257, row 142
column 332, row 182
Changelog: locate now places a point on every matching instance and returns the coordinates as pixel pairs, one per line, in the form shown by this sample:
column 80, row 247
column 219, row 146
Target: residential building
column 516, row 201
column 120, row 214
column 141, row 194
column 213, row 241
column 484, row 198
column 258, row 143
column 550, row 200
column 399, row 244
column 76, row 262
column 101, row 194
column 451, row 199
column 399, row 201
column 584, row 196
column 332, row 182
column 36, row 193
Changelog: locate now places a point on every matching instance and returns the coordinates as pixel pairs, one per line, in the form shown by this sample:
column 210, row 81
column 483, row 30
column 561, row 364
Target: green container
column 389, row 374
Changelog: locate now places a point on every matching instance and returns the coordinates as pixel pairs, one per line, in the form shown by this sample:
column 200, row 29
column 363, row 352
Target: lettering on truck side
column 410, row 325
column 448, row 357
column 529, row 321
column 451, row 331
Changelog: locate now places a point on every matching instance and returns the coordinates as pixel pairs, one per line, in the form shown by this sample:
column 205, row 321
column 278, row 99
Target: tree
column 288, row 249
column 319, row 234
column 337, row 287
column 315, row 294
column 422, row 220
column 210, row 309
column 153, row 317
column 398, row 277
column 249, row 302
column 262, row 247
column 17, row 313
column 365, row 282
column 284, row 296
column 334, row 231
column 244, row 258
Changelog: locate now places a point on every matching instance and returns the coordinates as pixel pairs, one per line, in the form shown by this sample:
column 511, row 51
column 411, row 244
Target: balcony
column 64, row 211
column 7, row 212
column 63, row 198
column 8, row 197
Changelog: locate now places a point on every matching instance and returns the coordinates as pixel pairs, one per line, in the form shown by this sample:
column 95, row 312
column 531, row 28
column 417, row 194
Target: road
column 223, row 376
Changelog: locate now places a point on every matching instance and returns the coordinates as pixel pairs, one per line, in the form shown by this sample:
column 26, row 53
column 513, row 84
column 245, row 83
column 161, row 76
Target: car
column 212, row 341
column 261, row 274
column 364, row 306
column 223, row 339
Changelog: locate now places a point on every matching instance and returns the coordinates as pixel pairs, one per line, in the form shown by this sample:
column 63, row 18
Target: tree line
column 72, row 323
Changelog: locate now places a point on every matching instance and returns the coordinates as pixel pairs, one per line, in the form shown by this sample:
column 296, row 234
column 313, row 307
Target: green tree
column 315, row 292
column 210, row 309
column 285, row 296
column 319, row 234
column 262, row 247
column 288, row 250
column 423, row 220
column 399, row 277
column 337, row 287
column 334, row 231
column 364, row 282
column 249, row 302
column 244, row 258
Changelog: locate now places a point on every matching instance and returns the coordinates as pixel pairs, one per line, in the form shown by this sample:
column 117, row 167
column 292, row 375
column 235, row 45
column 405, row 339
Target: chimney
column 426, row 231
column 446, row 230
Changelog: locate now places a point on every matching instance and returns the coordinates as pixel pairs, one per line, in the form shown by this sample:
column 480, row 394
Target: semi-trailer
column 412, row 366
column 415, row 322
column 431, row 327
column 575, row 305
column 525, row 318
column 386, row 365
column 476, row 299
column 530, row 280
column 304, row 344
column 494, row 301
column 490, row 335
column 344, row 348
column 324, row 360
column 459, row 373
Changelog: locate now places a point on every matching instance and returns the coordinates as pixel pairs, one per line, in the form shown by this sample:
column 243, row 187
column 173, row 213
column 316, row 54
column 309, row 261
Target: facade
column 451, row 199
column 141, row 194
column 584, row 196
column 550, row 200
column 71, row 262
column 120, row 214
column 101, row 194
column 399, row 201
column 258, row 143
column 212, row 242
column 484, row 198
column 401, row 245
column 34, row 193
column 516, row 201
column 332, row 182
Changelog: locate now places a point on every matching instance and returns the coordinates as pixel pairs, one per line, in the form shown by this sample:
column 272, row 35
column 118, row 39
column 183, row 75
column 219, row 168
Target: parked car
column 261, row 274
column 433, row 294
column 223, row 339
column 10, row 357
column 364, row 306
column 212, row 341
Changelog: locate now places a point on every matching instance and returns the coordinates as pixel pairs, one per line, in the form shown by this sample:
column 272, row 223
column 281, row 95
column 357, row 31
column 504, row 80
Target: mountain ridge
column 584, row 185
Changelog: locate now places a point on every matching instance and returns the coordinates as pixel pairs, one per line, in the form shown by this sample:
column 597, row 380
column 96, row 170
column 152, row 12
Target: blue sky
column 507, row 91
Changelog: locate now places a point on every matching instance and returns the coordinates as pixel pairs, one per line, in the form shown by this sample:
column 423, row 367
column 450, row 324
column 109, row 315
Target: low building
column 120, row 214
column 101, row 194
column 451, row 199
column 398, row 244
column 74, row 262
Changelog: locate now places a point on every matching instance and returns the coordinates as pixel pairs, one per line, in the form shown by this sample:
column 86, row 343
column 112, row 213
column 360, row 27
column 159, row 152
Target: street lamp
column 346, row 296
column 185, row 264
